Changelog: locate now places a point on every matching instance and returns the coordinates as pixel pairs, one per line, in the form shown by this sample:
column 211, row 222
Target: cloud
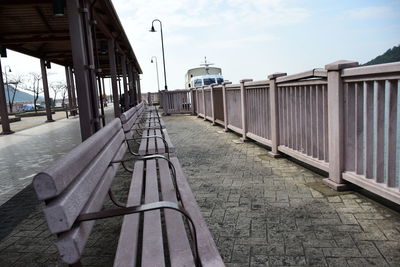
column 372, row 12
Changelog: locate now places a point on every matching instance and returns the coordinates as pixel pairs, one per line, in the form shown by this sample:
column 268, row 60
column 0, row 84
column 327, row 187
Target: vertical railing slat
column 392, row 135
column 380, row 130
column 350, row 127
column 369, row 128
column 359, row 127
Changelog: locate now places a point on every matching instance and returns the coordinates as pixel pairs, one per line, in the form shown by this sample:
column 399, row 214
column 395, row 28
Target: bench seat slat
column 208, row 251
column 178, row 244
column 71, row 244
column 128, row 242
column 151, row 142
column 152, row 252
column 160, row 144
column 62, row 212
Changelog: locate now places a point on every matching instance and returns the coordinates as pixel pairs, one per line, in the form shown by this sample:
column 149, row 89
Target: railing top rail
column 303, row 83
column 177, row 91
column 372, row 69
column 233, row 86
column 314, row 73
column 257, row 83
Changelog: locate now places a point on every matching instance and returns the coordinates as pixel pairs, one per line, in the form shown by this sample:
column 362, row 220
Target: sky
column 247, row 38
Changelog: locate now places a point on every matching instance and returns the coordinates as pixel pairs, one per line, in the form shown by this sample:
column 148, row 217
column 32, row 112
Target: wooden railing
column 177, row 101
column 341, row 119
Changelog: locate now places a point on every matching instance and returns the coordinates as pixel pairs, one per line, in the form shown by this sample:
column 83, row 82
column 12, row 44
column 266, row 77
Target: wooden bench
column 75, row 187
column 151, row 133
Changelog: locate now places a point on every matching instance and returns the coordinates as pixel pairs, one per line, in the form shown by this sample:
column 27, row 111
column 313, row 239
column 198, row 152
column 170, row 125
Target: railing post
column 204, row 103
column 243, row 106
column 212, row 103
column 336, row 124
column 192, row 99
column 224, row 105
column 273, row 103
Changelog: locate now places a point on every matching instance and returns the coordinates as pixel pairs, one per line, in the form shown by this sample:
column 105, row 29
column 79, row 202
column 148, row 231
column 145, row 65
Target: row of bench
column 162, row 224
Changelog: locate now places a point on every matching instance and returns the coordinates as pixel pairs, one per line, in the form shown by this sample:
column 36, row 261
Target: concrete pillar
column 139, row 89
column 243, row 108
column 212, row 103
column 113, row 77
column 46, row 90
column 204, row 102
column 273, row 103
column 124, row 82
column 5, row 122
column 82, row 54
column 336, row 123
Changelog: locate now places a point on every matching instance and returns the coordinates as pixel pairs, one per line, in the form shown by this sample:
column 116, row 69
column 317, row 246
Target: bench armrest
column 144, row 208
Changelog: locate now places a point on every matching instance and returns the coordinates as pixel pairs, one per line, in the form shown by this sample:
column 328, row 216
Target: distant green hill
column 392, row 55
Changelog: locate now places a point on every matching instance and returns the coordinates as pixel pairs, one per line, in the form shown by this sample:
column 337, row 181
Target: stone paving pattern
column 261, row 211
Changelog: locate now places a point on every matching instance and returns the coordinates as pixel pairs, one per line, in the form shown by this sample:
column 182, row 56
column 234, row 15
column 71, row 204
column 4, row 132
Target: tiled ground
column 261, row 211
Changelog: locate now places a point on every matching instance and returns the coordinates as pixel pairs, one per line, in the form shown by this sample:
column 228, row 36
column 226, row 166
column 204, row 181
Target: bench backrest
column 130, row 118
column 78, row 183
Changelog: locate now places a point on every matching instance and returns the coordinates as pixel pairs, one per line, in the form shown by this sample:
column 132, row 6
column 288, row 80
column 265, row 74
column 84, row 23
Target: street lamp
column 158, row 80
column 162, row 46
column 8, row 89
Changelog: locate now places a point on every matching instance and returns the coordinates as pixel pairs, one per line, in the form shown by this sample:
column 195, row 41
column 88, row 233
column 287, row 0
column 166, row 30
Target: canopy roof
column 31, row 28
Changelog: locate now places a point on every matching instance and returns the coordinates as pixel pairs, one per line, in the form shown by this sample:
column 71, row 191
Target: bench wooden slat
column 208, row 251
column 160, row 143
column 47, row 184
column 151, row 142
column 127, row 245
column 178, row 243
column 62, row 212
column 71, row 244
column 152, row 250
column 128, row 114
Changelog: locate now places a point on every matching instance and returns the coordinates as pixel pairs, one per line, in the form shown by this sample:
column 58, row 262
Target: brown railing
column 342, row 119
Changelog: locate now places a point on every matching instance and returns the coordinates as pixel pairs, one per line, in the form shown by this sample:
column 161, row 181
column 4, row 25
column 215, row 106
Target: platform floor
column 261, row 211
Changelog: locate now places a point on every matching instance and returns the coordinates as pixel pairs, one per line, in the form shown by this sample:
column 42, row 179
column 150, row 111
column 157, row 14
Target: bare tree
column 35, row 89
column 15, row 80
column 57, row 87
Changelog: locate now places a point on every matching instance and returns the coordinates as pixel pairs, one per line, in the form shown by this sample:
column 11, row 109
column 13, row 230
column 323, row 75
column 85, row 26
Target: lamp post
column 8, row 89
column 158, row 80
column 162, row 46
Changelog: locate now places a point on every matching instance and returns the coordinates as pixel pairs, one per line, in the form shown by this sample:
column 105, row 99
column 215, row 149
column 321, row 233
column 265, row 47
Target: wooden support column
column 336, row 124
column 5, row 122
column 124, row 81
column 113, row 77
column 46, row 90
column 130, row 85
column 69, row 91
column 224, row 103
column 212, row 103
column 273, row 102
column 243, row 108
column 83, row 58
column 139, row 89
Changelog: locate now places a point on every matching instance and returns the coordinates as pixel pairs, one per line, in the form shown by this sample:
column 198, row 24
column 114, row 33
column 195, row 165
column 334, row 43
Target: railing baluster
column 359, row 125
column 380, row 130
column 392, row 135
column 369, row 128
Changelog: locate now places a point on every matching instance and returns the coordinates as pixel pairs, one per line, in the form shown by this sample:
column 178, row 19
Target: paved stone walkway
column 261, row 211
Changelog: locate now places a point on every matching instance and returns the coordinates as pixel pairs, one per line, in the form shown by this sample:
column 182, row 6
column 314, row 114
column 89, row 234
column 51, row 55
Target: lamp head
column 58, row 8
column 151, row 61
column 152, row 29
column 9, row 70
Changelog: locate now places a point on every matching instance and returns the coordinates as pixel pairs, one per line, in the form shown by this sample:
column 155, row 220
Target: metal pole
column 158, row 80
column 6, row 85
column 46, row 90
column 5, row 122
column 163, row 54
